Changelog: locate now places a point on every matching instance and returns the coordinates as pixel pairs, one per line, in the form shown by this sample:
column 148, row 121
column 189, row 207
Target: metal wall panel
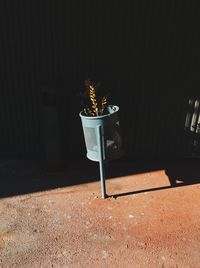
column 145, row 53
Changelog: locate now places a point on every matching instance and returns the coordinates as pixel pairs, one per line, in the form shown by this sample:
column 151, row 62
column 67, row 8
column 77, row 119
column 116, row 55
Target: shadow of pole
column 178, row 176
column 175, row 185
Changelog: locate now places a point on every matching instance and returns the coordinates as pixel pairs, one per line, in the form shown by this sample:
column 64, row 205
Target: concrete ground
column 151, row 219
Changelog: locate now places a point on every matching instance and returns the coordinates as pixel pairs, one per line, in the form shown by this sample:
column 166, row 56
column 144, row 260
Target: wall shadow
column 18, row 177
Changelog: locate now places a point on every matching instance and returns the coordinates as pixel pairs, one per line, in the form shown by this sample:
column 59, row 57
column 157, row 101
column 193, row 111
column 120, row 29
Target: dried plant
column 95, row 104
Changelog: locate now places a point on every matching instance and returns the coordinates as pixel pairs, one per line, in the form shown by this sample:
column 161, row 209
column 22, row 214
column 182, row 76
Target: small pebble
column 130, row 216
column 65, row 253
column 105, row 254
column 94, row 236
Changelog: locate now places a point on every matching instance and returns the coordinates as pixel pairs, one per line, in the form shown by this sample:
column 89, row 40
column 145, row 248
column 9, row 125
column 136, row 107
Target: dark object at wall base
column 192, row 126
column 51, row 131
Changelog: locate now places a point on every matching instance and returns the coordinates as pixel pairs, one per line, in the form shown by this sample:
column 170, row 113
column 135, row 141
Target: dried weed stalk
column 96, row 104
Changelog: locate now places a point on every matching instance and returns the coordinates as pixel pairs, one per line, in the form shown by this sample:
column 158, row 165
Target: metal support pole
column 101, row 150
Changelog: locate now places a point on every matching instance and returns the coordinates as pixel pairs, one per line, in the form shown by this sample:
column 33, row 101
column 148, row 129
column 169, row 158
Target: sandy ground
column 155, row 226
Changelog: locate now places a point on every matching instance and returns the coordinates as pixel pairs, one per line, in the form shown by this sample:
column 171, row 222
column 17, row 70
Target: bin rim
column 115, row 110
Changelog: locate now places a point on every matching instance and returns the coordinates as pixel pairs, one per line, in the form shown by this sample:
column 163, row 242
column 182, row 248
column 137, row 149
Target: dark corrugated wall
column 146, row 54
